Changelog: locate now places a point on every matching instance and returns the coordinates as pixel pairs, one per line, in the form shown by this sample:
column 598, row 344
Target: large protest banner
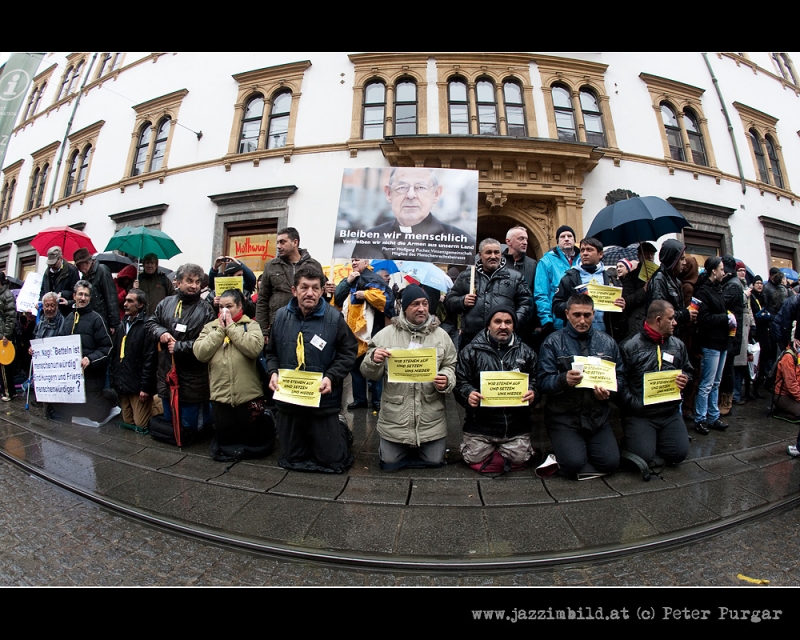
column 57, row 372
column 408, row 213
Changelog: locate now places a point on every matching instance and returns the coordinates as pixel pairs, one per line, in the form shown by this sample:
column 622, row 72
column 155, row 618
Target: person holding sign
column 653, row 424
column 495, row 383
column 230, row 345
column 310, row 336
column 576, row 417
column 590, row 271
column 633, row 287
column 412, row 424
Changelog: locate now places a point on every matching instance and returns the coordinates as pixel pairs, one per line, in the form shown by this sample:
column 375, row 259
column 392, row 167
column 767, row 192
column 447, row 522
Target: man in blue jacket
column 551, row 269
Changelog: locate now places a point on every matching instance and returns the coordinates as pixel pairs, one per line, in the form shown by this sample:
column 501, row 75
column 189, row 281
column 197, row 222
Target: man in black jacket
column 134, row 361
column 658, row 428
column 495, row 438
column 176, row 324
column 59, row 277
column 518, row 260
column 495, row 284
column 311, row 334
column 577, row 418
column 104, row 292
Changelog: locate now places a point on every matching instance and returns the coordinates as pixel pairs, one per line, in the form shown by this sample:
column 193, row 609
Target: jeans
column 190, row 414
column 706, row 405
column 360, row 385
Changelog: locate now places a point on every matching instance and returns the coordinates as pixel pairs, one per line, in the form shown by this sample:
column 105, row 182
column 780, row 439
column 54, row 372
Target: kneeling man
column 654, row 429
column 412, row 423
column 495, row 438
column 577, row 418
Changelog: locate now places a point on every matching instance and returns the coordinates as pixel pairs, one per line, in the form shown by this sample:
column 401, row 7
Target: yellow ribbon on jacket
column 122, row 348
column 300, row 351
column 74, row 324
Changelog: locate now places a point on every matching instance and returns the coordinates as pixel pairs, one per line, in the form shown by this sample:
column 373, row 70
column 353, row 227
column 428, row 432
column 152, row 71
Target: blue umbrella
column 791, row 274
column 388, row 265
column 428, row 274
column 636, row 220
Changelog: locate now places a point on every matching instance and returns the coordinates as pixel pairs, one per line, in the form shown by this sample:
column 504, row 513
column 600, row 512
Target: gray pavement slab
column 355, row 528
column 610, row 521
column 445, row 492
column 509, row 490
column 246, row 475
column 320, row 486
column 529, row 529
column 376, row 490
column 205, row 504
column 725, row 498
column 461, row 535
column 276, row 518
column 673, row 510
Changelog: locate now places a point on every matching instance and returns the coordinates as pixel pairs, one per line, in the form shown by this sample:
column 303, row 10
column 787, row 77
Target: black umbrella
column 114, row 261
column 613, row 254
column 636, row 220
column 14, row 283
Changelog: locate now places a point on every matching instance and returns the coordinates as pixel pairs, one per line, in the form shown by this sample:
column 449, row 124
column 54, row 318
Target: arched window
column 71, row 173
column 251, row 124
column 42, row 182
column 458, row 106
column 405, row 108
column 7, row 197
column 772, row 154
column 84, row 168
column 279, row 120
column 673, row 131
column 515, row 111
column 565, row 114
column 487, row 108
column 75, row 79
column 374, row 110
column 34, row 188
column 592, row 118
column 160, row 145
column 695, row 138
column 64, row 91
column 758, row 150
column 140, row 158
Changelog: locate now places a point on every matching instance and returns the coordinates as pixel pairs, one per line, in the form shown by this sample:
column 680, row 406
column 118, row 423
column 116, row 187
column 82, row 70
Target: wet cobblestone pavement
column 52, row 537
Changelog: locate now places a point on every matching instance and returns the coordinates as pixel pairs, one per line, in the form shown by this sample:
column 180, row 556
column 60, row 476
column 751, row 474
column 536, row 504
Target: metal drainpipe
column 728, row 120
column 66, row 133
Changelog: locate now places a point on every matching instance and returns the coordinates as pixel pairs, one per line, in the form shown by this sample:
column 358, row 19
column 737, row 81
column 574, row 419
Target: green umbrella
column 139, row 241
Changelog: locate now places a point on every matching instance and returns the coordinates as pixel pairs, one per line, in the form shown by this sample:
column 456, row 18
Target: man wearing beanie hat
column 665, row 285
column 412, row 423
column 496, row 439
column 551, row 269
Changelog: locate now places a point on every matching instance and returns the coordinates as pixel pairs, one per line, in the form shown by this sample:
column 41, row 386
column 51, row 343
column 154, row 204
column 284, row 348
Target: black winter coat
column 192, row 374
column 614, row 321
column 733, row 292
column 665, row 286
column 335, row 360
column 712, row 316
column 136, row 371
column 640, row 354
column 104, row 294
column 481, row 355
column 62, row 282
column 502, row 286
column 95, row 345
column 577, row 407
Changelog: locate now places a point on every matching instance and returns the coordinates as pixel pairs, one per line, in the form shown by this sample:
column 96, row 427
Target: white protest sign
column 28, row 299
column 57, row 372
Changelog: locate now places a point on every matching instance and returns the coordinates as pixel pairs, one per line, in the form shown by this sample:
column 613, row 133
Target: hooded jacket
column 412, row 413
column 549, row 271
column 665, row 286
column 483, row 355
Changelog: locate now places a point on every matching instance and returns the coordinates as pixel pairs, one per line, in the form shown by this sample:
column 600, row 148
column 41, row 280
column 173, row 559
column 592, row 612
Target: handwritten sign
column 57, row 370
column 223, row 284
column 28, row 299
column 660, row 386
column 503, row 388
column 603, row 297
column 647, row 270
column 298, row 387
column 597, row 371
column 412, row 365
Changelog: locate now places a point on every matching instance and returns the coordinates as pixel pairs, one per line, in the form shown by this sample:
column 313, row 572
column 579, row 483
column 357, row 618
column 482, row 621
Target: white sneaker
column 792, row 451
column 548, row 467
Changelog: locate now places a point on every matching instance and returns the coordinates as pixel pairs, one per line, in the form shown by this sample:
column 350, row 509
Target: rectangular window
column 781, row 257
column 702, row 245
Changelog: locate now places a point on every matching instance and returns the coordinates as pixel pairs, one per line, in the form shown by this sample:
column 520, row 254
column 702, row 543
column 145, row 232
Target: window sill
column 159, row 175
column 256, row 156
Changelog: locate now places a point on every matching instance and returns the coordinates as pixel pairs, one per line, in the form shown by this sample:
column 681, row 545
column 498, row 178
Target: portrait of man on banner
column 408, row 213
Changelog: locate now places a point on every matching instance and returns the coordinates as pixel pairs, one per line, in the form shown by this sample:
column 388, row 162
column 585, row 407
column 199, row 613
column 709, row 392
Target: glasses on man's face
column 402, row 189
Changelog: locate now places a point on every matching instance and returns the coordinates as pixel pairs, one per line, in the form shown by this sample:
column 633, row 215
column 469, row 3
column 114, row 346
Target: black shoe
column 376, row 406
column 356, row 405
column 718, row 425
column 701, row 428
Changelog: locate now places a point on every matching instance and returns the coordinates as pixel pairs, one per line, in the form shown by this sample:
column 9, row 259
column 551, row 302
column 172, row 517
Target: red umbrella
column 69, row 239
column 174, row 388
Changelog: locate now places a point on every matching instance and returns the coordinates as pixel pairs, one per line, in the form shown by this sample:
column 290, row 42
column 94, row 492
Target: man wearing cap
column 654, row 429
column 666, row 285
column 104, row 292
column 495, row 438
column 59, row 277
column 633, row 290
column 154, row 283
column 412, row 424
column 552, row 267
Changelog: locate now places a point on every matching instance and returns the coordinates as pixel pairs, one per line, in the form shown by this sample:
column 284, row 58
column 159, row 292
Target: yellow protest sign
column 412, row 365
column 503, row 388
column 298, row 387
column 223, row 284
column 597, row 371
column 660, row 386
column 603, row 296
column 647, row 270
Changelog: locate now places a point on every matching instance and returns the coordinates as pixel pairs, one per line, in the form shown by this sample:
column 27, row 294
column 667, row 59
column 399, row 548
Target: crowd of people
column 169, row 350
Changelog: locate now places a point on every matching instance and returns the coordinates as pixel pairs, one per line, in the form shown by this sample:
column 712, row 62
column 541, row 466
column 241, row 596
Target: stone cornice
column 162, row 102
column 671, row 86
column 755, row 115
column 282, row 70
